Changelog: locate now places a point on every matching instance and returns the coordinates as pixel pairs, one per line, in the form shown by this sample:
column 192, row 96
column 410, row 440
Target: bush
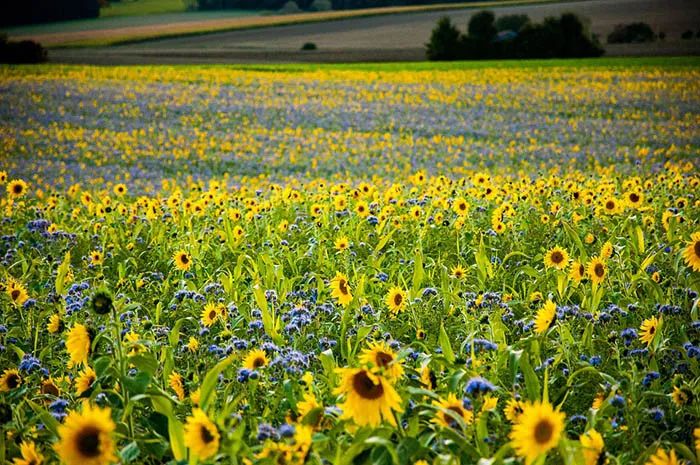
column 481, row 26
column 290, row 8
column 309, row 46
column 513, row 23
column 23, row 52
column 687, row 35
column 631, row 33
column 444, row 41
column 321, row 5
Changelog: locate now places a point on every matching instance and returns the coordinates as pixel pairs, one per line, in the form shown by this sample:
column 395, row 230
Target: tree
column 511, row 23
column 444, row 41
column 481, row 26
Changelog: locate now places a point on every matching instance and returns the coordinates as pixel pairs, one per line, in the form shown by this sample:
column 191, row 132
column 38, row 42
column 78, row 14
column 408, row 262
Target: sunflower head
column 396, row 300
column 201, row 435
column 382, row 357
column 557, row 258
column 369, row 397
column 255, row 360
column 545, row 317
column 101, row 302
column 537, row 430
column 451, row 412
column 86, row 437
column 691, row 253
column 10, row 380
column 182, row 260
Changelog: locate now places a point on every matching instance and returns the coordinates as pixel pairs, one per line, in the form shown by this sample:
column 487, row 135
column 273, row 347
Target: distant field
column 142, row 7
column 140, row 28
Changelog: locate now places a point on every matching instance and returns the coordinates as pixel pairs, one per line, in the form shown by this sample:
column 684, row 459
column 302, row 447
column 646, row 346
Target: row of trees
column 513, row 36
column 41, row 11
column 309, row 5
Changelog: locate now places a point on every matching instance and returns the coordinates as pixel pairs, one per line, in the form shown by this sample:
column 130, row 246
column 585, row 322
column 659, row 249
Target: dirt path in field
column 393, row 37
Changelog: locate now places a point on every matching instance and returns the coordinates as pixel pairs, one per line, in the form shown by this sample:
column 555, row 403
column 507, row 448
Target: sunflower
column 97, row 257
column 369, row 397
column 592, row 444
column 383, row 357
column 545, row 317
column 362, row 209
column 210, row 313
column 29, row 455
column 611, row 206
column 16, row 188
column 119, row 189
column 458, row 272
column 578, row 272
column 342, row 243
column 662, row 458
column 537, row 430
column 16, row 292
column 340, row 289
column 455, row 407
column 696, row 433
column 307, row 404
column 648, row 329
column 201, row 435
column 84, row 381
column 49, row 387
column 691, row 253
column 556, row 258
column 597, row 270
column 682, row 396
column 10, row 380
column 460, row 206
column 396, row 300
column 192, row 344
column 489, row 404
column 255, row 359
column 177, row 384
column 513, row 409
column 86, row 437
column 78, row 344
column 182, row 260
column 634, row 198
column 55, row 324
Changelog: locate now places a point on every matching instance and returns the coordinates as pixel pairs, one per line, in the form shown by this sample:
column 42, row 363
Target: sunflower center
column 88, row 442
column 543, row 432
column 696, row 248
column 462, row 206
column 634, row 198
column 17, row 189
column 13, row 381
column 343, row 286
column 398, row 298
column 383, row 359
column 207, row 437
column 258, row 362
column 184, row 259
column 557, row 257
column 599, row 270
column 652, row 330
column 581, row 270
column 212, row 314
column 610, row 205
column 50, row 389
column 15, row 294
column 365, row 386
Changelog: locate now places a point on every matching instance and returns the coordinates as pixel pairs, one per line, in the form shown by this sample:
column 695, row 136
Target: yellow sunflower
column 537, row 430
column 691, row 253
column 545, row 317
column 29, row 455
column 119, row 189
column 634, row 199
column 458, row 272
column 455, row 407
column 340, row 289
column 592, row 445
column 16, row 292
column 49, row 387
column 396, row 300
column 578, row 272
column 84, row 381
column 660, row 457
column 460, row 206
column 16, row 188
column 201, row 435
column 10, row 380
column 86, row 437
column 682, row 396
column 78, row 344
column 369, row 397
column 97, row 257
column 648, row 329
column 383, row 357
column 255, row 359
column 182, row 260
column 513, row 409
column 597, row 269
column 696, row 433
column 210, row 313
column 55, row 324
column 342, row 243
column 177, row 384
column 556, row 257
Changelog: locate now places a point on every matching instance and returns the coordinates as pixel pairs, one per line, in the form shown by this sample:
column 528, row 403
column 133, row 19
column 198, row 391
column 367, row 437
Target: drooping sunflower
column 86, row 437
column 201, row 435
column 691, row 253
column 29, row 455
column 10, row 380
column 255, row 359
column 578, row 271
column 340, row 289
column 592, row 444
column 456, row 407
column 16, row 188
column 597, row 269
column 177, row 384
column 383, row 357
column 55, row 324
column 84, row 381
column 182, row 260
column 682, row 396
column 537, row 430
column 78, row 344
column 648, row 329
column 545, row 317
column 556, row 257
column 369, row 397
column 16, row 292
column 50, row 387
column 396, row 300
column 661, row 457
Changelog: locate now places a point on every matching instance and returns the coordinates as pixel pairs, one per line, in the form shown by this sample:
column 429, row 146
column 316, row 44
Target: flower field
column 350, row 265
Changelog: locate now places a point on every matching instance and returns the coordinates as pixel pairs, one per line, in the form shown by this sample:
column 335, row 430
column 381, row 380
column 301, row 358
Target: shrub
column 23, row 52
column 309, row 46
column 481, row 26
column 444, row 41
column 290, row 8
column 321, row 5
column 511, row 23
column 631, row 33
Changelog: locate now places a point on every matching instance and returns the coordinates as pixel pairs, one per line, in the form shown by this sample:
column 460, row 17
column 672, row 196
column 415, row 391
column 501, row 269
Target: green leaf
column 210, row 381
column 145, row 363
column 47, row 419
column 444, row 341
column 137, row 384
column 176, row 431
column 532, row 383
column 130, row 452
column 418, row 272
column 61, row 274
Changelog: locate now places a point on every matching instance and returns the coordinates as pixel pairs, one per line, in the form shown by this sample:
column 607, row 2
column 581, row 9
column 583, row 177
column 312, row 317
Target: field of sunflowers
column 432, row 265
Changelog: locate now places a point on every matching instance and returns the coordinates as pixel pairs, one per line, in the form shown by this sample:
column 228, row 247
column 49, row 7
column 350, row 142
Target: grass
column 126, row 35
column 142, row 7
